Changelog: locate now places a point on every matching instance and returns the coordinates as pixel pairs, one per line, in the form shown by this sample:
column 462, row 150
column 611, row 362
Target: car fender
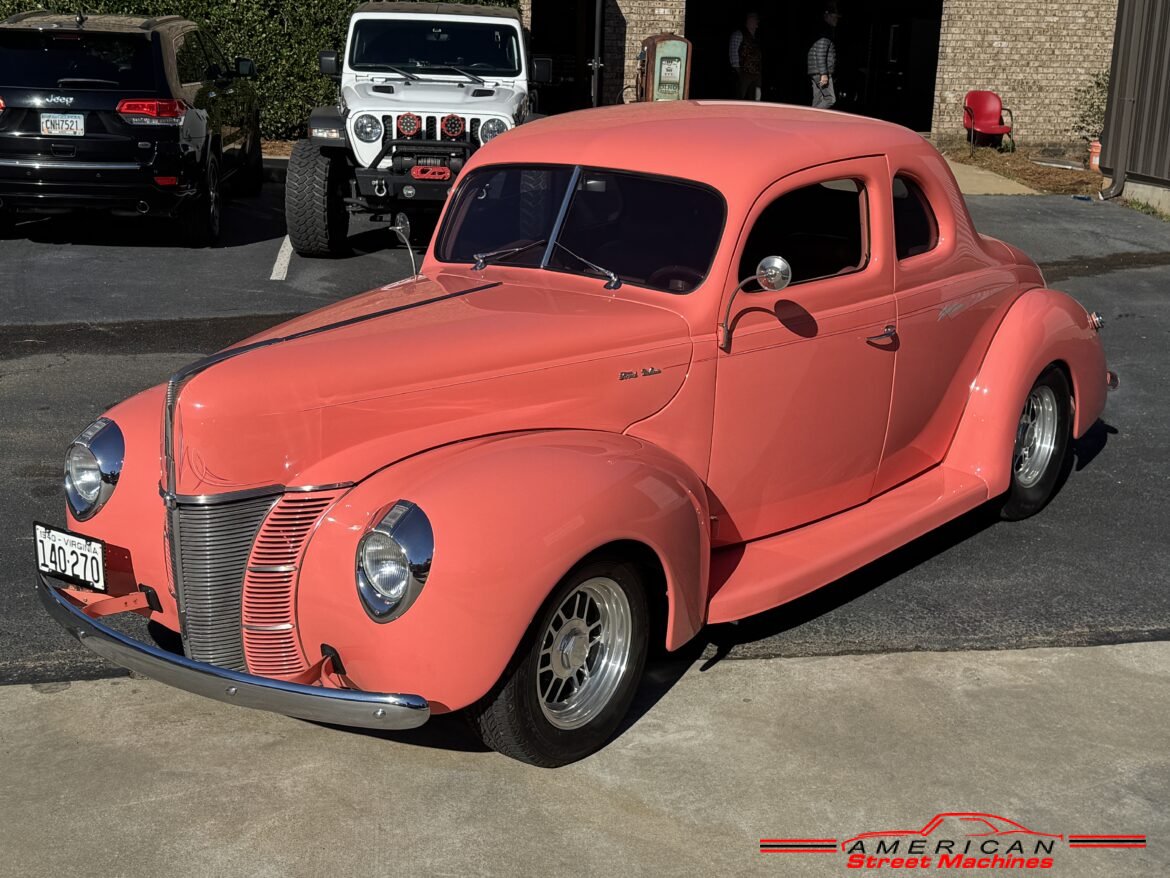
column 511, row 515
column 327, row 117
column 1041, row 327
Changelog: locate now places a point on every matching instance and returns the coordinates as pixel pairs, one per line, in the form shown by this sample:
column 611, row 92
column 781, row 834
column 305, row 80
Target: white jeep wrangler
column 423, row 85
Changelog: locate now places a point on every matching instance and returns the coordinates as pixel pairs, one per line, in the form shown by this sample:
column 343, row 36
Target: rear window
column 74, row 60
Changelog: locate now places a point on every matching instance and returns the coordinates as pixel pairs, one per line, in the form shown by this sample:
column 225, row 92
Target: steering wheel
column 676, row 278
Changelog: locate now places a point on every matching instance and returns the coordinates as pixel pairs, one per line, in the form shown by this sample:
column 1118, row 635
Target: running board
column 763, row 574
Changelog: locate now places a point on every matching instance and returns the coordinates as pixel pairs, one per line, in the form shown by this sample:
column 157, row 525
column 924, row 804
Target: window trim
column 865, row 219
column 936, row 225
column 176, row 47
column 577, row 171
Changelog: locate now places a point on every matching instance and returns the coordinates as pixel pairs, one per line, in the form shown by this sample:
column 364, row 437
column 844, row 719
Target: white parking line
column 280, row 267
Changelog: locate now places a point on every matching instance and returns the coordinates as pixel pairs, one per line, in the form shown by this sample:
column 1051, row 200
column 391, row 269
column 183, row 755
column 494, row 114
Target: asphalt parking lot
column 93, row 312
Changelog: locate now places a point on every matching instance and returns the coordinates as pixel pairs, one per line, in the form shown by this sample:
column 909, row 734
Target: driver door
column 803, row 393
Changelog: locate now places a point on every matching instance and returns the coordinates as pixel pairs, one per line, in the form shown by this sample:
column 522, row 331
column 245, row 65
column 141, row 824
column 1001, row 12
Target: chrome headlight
column 491, row 128
column 367, row 128
column 93, row 464
column 393, row 561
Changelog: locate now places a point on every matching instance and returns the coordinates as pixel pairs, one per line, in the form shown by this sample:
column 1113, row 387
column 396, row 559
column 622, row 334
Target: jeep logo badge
column 59, row 99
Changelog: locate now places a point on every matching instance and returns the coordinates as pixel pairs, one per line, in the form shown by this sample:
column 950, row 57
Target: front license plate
column 63, row 124
column 68, row 556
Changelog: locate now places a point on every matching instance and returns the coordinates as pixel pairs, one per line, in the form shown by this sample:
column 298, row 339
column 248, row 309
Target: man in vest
column 747, row 61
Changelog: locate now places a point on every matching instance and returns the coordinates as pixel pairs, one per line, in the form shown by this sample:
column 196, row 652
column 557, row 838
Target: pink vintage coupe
column 663, row 366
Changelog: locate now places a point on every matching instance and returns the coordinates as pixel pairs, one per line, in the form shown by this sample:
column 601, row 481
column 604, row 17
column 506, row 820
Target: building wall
column 1035, row 55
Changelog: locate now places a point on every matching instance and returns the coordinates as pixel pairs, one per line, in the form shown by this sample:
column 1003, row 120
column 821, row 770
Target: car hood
column 339, row 393
column 435, row 97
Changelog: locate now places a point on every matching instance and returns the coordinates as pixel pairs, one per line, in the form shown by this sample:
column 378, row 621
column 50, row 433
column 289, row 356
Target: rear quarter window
column 915, row 227
column 71, row 60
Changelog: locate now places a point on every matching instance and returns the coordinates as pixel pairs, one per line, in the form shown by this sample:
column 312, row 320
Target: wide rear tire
column 199, row 221
column 573, row 679
column 314, row 205
column 1042, row 456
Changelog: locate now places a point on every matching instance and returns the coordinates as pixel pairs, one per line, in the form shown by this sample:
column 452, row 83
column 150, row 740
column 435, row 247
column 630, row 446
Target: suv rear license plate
column 63, row 124
column 68, row 556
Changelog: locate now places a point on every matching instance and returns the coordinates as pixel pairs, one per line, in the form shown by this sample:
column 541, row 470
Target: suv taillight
column 152, row 112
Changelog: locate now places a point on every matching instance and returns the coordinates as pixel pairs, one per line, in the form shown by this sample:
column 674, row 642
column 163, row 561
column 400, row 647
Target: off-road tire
column 510, row 719
column 1027, row 496
column 314, row 206
column 199, row 221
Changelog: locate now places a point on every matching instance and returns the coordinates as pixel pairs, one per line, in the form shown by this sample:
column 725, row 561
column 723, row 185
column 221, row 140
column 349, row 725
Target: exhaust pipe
column 143, row 208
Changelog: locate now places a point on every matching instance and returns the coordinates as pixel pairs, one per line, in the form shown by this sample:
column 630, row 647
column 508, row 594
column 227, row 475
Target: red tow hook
column 139, row 600
column 329, row 665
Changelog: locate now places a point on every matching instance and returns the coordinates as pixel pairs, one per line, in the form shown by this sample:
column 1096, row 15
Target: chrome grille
column 210, row 545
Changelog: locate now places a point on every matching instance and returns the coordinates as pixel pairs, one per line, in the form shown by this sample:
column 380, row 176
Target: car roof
column 399, row 8
column 40, row 20
column 740, row 145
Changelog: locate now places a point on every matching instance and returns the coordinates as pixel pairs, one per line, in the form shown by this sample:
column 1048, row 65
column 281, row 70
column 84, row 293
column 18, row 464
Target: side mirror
column 245, row 68
column 542, row 71
column 329, row 63
column 772, row 274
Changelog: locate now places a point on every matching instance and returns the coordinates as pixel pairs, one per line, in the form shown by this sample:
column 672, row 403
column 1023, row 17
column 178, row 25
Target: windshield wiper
column 458, row 70
column 84, row 81
column 613, row 282
column 405, row 74
column 482, row 260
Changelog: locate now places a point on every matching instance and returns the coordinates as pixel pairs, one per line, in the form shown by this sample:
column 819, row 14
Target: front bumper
column 343, row 707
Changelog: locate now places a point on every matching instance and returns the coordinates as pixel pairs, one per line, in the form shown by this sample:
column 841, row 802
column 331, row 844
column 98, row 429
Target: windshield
column 654, row 232
column 480, row 48
column 74, row 60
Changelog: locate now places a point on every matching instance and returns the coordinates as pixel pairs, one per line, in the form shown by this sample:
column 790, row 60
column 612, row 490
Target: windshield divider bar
column 556, row 229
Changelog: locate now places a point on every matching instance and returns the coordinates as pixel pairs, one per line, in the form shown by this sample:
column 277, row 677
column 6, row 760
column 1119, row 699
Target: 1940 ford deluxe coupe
column 663, row 366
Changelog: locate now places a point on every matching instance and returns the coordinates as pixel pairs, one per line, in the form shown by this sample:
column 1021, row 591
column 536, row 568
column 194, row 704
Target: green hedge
column 282, row 37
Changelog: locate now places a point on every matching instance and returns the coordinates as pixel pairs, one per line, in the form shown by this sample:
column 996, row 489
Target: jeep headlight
column 367, row 128
column 491, row 128
column 394, row 560
column 93, row 464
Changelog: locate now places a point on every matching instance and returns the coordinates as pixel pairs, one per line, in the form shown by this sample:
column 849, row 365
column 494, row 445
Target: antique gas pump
column 664, row 68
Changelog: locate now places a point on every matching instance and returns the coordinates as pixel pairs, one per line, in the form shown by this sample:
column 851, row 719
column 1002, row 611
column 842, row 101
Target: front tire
column 314, row 206
column 1042, row 456
column 573, row 679
column 252, row 173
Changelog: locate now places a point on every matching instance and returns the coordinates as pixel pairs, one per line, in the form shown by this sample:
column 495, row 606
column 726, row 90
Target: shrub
column 282, row 38
column 1092, row 99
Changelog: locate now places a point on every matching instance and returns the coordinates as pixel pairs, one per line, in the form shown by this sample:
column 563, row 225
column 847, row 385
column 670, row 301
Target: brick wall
column 1035, row 55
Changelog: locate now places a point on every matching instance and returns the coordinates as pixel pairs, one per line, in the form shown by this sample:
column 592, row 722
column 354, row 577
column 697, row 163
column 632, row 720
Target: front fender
column 1041, row 327
column 511, row 515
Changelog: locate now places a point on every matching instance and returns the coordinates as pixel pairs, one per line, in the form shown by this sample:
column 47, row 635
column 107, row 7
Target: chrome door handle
column 889, row 332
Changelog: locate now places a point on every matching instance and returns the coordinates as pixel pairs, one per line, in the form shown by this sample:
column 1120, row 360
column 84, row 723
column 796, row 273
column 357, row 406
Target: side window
column 915, row 228
column 189, row 59
column 820, row 229
column 214, row 54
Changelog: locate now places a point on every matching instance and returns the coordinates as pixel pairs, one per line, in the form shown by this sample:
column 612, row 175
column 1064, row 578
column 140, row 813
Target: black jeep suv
column 129, row 115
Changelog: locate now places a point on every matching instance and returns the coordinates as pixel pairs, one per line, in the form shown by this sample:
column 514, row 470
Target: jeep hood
column 418, row 364
column 445, row 96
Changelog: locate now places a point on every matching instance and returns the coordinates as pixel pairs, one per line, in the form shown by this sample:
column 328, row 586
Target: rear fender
column 511, row 516
column 1041, row 327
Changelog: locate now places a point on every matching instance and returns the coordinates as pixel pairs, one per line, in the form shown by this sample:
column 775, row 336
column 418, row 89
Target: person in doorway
column 747, row 61
column 822, row 61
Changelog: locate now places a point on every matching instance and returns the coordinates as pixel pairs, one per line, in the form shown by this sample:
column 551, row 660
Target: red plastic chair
column 983, row 114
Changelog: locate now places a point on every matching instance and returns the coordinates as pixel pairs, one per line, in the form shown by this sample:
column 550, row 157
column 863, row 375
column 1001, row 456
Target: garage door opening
column 887, row 53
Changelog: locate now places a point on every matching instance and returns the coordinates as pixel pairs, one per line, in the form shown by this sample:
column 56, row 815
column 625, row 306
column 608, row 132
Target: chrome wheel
column 584, row 653
column 1036, row 436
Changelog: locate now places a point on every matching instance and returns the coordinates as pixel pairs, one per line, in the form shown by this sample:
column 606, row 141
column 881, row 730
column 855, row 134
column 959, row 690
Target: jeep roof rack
column 152, row 23
column 405, row 6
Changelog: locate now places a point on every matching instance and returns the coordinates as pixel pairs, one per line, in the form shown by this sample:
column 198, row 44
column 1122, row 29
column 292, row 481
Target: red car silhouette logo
column 958, row 824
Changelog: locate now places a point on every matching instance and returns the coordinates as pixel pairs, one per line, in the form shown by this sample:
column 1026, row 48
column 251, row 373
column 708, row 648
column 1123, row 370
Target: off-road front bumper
column 343, row 707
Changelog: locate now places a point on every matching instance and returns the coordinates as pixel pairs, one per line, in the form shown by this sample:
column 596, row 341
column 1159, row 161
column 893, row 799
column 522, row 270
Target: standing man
column 822, row 61
column 747, row 61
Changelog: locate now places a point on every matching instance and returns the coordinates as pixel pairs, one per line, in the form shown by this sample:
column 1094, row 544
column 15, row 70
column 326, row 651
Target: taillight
column 152, row 112
column 1, row 105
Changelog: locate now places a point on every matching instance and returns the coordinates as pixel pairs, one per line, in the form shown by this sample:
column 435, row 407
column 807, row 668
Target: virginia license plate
column 68, row 556
column 63, row 124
